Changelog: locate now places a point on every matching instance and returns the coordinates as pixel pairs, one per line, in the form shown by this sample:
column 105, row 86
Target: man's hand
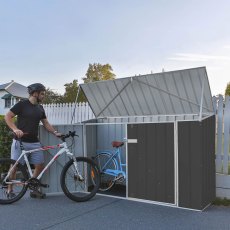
column 18, row 133
column 57, row 134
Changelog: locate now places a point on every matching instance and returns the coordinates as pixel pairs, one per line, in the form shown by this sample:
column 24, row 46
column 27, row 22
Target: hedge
column 5, row 139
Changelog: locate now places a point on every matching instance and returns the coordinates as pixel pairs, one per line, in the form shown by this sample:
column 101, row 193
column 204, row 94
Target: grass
column 220, row 201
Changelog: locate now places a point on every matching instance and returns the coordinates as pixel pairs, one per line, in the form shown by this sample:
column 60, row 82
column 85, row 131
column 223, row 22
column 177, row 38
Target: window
column 7, row 102
column 10, row 100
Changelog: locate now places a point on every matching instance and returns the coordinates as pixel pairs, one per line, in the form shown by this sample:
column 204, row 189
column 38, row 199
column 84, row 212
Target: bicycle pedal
column 38, row 196
column 120, row 177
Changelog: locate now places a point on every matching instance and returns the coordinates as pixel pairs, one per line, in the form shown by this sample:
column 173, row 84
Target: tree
column 52, row 97
column 71, row 91
column 98, row 72
column 227, row 90
column 70, row 94
column 95, row 72
column 5, row 138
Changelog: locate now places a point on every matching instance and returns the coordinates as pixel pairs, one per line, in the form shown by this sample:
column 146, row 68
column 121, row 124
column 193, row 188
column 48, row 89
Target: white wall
column 4, row 110
column 2, row 103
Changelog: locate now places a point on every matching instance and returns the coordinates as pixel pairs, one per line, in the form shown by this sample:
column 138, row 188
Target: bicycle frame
column 24, row 154
column 114, row 155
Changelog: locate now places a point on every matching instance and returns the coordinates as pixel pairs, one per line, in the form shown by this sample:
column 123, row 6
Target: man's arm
column 9, row 121
column 50, row 128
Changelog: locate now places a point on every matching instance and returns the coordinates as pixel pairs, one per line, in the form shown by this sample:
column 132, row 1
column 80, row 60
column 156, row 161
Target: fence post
column 226, row 133
column 219, row 134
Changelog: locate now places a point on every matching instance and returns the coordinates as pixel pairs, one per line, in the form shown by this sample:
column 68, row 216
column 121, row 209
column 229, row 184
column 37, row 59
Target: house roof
column 167, row 93
column 2, row 87
column 15, row 89
column 6, row 96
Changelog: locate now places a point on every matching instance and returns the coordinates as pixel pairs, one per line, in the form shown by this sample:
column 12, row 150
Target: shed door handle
column 132, row 141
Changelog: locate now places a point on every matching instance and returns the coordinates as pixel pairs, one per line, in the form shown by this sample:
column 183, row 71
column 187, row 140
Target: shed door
column 151, row 162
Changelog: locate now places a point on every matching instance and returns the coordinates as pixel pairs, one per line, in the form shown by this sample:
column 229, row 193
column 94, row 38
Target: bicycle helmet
column 36, row 87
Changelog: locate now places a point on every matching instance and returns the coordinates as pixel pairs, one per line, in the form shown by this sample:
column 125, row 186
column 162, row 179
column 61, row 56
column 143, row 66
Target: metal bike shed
column 169, row 123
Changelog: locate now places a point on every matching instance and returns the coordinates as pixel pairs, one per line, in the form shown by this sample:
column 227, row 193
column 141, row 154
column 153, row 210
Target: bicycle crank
column 34, row 184
column 119, row 178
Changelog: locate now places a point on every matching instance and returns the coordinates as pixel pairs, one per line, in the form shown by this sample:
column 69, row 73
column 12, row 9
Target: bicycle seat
column 117, row 144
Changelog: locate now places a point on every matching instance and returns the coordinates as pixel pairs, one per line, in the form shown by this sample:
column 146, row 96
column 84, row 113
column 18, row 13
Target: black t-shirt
column 28, row 118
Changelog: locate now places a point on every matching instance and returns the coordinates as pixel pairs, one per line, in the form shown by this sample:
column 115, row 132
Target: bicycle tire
column 78, row 189
column 21, row 175
column 107, row 181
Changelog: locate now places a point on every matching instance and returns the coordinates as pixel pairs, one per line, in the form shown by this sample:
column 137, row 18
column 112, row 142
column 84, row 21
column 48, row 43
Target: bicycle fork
column 77, row 174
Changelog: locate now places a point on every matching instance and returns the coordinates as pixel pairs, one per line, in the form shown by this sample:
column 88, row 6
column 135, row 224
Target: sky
column 53, row 41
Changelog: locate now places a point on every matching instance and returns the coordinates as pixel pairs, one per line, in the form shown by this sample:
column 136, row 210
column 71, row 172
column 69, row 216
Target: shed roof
column 167, row 93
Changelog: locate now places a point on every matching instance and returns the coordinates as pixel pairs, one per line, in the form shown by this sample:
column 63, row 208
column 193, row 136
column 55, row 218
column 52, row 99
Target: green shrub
column 5, row 139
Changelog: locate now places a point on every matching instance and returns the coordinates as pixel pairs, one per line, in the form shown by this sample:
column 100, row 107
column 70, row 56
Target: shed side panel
column 209, row 171
column 190, row 164
column 196, row 160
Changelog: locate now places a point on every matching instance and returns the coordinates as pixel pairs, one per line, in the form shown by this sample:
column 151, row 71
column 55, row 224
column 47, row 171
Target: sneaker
column 37, row 194
column 10, row 195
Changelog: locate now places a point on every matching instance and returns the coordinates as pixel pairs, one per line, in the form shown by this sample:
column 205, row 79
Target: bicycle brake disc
column 78, row 178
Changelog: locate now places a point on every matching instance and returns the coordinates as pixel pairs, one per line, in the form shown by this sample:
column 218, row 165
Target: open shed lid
column 167, row 93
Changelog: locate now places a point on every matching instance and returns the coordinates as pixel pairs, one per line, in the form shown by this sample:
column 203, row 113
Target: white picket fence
column 222, row 107
column 68, row 113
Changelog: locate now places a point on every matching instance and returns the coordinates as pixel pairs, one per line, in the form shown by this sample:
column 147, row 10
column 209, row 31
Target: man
column 29, row 114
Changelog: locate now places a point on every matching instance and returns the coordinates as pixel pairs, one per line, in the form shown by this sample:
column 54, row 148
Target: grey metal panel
column 95, row 95
column 167, row 93
column 196, row 160
column 151, row 162
column 91, row 140
column 52, row 175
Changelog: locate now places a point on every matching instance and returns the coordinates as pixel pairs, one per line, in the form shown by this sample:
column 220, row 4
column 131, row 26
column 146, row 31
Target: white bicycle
column 80, row 177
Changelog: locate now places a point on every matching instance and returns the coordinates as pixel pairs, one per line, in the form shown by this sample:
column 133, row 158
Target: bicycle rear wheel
column 107, row 181
column 17, row 180
column 83, row 184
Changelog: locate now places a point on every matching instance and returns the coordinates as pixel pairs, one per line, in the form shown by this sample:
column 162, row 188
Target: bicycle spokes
column 80, row 180
column 12, row 185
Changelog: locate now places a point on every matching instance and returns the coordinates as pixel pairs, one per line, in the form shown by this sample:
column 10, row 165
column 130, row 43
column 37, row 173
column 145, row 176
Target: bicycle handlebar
column 62, row 137
column 70, row 134
column 13, row 134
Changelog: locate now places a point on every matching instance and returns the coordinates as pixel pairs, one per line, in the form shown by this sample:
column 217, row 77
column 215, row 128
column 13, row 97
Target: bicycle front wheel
column 15, row 183
column 104, row 162
column 81, row 183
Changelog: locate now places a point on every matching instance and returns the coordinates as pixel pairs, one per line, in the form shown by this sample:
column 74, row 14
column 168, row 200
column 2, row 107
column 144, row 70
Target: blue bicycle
column 110, row 166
